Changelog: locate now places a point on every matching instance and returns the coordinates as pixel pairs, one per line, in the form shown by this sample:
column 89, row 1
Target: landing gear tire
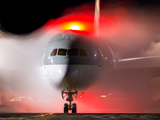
column 65, row 108
column 74, row 108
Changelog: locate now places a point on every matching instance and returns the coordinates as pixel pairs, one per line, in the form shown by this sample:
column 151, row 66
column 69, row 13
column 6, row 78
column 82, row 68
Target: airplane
column 74, row 61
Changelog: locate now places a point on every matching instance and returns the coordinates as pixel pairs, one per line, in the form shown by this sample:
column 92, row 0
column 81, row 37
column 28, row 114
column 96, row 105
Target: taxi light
column 103, row 96
column 80, row 95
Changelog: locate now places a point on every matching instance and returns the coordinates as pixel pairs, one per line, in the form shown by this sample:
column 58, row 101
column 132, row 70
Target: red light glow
column 82, row 22
column 73, row 26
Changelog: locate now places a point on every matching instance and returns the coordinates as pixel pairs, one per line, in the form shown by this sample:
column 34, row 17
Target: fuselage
column 73, row 61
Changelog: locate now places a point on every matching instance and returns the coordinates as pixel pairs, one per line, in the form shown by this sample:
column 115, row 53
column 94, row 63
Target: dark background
column 24, row 17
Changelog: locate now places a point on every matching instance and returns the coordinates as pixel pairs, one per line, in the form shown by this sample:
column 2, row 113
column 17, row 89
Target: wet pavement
column 78, row 116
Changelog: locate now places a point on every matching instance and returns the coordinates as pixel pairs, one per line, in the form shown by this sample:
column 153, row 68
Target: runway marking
column 16, row 118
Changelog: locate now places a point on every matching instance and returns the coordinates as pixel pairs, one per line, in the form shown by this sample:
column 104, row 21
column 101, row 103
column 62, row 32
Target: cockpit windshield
column 82, row 52
column 73, row 52
column 69, row 52
column 62, row 52
column 54, row 52
column 75, row 56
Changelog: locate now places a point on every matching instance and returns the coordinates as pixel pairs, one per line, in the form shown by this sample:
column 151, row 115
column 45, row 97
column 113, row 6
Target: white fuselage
column 72, row 61
column 77, row 77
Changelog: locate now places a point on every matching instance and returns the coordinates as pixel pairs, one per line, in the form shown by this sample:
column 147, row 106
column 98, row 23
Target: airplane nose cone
column 60, row 73
column 66, row 75
column 72, row 75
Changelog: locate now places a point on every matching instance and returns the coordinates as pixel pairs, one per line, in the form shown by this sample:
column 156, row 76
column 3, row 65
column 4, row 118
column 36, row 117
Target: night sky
column 25, row 17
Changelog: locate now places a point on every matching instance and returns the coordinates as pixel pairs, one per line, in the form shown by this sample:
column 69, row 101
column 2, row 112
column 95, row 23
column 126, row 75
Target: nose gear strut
column 69, row 95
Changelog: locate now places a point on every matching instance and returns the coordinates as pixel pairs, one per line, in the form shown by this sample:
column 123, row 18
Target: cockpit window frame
column 62, row 51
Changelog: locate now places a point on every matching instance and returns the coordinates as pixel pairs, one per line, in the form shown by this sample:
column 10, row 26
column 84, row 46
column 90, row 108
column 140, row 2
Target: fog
column 130, row 31
column 137, row 27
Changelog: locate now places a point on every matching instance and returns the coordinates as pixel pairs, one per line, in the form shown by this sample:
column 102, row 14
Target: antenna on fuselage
column 96, row 18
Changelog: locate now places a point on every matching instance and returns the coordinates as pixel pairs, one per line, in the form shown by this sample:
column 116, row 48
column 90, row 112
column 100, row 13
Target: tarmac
column 78, row 116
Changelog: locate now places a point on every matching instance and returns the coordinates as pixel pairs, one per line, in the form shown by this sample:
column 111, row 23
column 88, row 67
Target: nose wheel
column 74, row 108
column 70, row 96
column 65, row 108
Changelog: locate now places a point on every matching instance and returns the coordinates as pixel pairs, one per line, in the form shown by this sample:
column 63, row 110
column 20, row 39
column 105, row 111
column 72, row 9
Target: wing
column 134, row 75
column 144, row 66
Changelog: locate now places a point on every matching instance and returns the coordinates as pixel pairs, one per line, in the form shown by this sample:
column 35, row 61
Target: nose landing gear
column 70, row 106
